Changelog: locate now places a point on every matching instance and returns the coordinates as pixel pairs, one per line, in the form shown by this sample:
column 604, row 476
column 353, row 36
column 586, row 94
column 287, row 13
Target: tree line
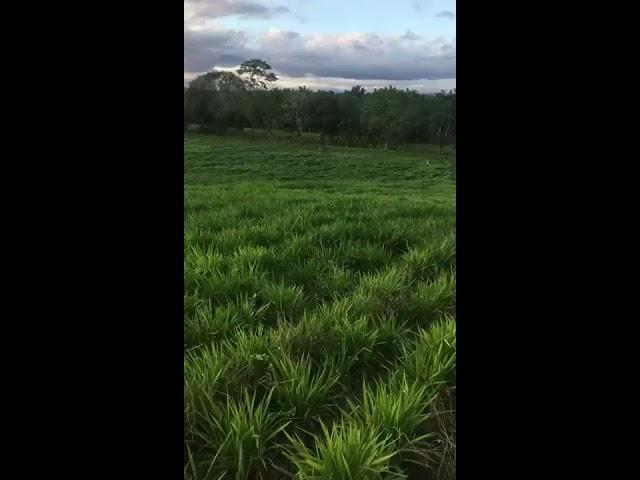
column 223, row 102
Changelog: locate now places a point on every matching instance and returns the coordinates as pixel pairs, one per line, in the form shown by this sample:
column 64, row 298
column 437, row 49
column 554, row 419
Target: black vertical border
column 508, row 253
column 137, row 179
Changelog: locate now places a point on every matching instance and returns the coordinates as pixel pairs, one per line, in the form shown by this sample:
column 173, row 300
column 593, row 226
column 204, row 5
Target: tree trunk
column 446, row 134
column 386, row 143
column 299, row 125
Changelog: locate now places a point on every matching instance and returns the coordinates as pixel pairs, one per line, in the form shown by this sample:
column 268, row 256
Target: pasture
column 319, row 312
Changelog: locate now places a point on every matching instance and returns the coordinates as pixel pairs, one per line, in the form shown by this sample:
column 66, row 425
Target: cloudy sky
column 327, row 44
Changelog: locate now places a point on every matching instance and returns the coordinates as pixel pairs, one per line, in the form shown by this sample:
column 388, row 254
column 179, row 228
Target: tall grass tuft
column 204, row 378
column 300, row 389
column 398, row 408
column 313, row 336
column 346, row 451
column 426, row 263
column 381, row 293
column 357, row 340
column 281, row 300
column 433, row 299
column 239, row 437
column 207, row 323
column 249, row 353
column 431, row 359
column 392, row 333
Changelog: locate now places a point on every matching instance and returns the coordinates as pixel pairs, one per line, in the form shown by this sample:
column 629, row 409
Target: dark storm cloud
column 405, row 69
column 225, row 8
column 205, row 50
column 446, row 14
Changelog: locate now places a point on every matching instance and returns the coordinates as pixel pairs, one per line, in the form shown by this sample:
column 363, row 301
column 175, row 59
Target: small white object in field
column 428, row 162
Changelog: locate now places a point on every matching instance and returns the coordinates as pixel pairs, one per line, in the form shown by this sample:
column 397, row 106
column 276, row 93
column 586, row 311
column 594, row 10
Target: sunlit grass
column 319, row 308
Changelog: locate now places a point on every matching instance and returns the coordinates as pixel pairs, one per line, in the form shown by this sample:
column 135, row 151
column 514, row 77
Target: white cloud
column 313, row 82
column 357, row 55
column 340, row 84
column 320, row 61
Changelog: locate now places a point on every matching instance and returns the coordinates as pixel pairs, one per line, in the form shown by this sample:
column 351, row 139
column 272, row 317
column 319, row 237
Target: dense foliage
column 223, row 102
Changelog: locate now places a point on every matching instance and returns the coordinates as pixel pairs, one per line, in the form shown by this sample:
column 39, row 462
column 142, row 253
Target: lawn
column 319, row 311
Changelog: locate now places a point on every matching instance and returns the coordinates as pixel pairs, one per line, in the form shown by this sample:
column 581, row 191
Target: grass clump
column 346, row 451
column 431, row 300
column 282, row 300
column 431, row 358
column 399, row 409
column 239, row 438
column 305, row 392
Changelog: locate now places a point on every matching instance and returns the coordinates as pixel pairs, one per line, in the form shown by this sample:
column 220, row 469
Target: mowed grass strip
column 319, row 312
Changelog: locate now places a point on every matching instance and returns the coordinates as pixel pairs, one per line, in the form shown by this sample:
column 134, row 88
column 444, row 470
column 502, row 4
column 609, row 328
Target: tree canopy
column 220, row 101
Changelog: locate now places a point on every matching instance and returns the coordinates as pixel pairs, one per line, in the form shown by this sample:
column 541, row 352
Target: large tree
column 444, row 116
column 214, row 101
column 358, row 91
column 217, row 81
column 255, row 73
column 258, row 108
column 295, row 107
column 384, row 115
column 323, row 115
column 349, row 107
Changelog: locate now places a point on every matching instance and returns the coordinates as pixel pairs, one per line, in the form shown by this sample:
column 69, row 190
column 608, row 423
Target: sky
column 327, row 44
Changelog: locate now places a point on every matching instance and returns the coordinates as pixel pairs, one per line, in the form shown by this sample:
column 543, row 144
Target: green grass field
column 319, row 312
